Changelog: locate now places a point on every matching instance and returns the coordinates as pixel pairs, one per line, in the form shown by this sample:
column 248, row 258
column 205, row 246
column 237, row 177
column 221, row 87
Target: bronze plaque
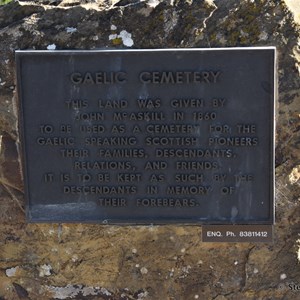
column 148, row 136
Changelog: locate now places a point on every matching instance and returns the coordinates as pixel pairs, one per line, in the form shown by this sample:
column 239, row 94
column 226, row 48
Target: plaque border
column 179, row 221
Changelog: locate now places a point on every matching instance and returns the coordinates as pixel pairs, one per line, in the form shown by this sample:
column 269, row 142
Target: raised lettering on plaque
column 148, row 136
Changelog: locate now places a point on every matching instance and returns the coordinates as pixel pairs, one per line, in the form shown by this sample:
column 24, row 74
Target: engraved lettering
column 219, row 129
column 172, row 128
column 152, row 189
column 187, row 103
column 166, row 202
column 246, row 128
column 114, row 202
column 67, row 152
column 139, row 116
column 122, row 153
column 136, row 129
column 76, row 104
column 156, row 165
column 179, row 77
column 110, row 141
column 218, row 102
column 98, row 78
column 149, row 103
column 129, row 177
column 204, row 116
column 219, row 177
column 112, row 104
column 91, row 116
column 49, row 177
column 102, row 189
column 46, row 129
column 233, row 141
column 196, row 165
column 118, row 129
column 84, row 177
column 56, row 141
column 194, row 177
column 92, row 128
column 188, row 190
column 227, row 190
column 102, row 165
column 193, row 153
column 171, row 141
column 157, row 178
column 178, row 116
column 243, row 178
column 103, row 177
column 65, row 177
column 66, row 128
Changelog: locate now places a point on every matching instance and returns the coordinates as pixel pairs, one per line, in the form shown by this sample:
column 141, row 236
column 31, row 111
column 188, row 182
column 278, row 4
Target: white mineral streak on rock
column 68, row 291
column 126, row 38
column 171, row 19
column 105, row 292
column 71, row 29
column 11, row 272
column 74, row 258
column 112, row 36
column 45, row 270
column 283, row 276
column 144, row 270
column 88, row 290
column 71, row 291
column 263, row 36
column 153, row 3
column 142, row 295
column 51, row 47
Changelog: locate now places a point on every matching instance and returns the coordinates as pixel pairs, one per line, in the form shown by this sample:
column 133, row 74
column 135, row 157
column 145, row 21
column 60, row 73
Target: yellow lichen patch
column 117, row 41
column 294, row 176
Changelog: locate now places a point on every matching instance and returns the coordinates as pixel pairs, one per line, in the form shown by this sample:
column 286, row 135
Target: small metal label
column 237, row 233
column 148, row 136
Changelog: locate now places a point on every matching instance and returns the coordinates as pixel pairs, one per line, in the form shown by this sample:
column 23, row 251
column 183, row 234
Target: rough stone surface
column 64, row 261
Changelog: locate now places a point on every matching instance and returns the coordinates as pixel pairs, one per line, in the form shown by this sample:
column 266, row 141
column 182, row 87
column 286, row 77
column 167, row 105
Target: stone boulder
column 84, row 261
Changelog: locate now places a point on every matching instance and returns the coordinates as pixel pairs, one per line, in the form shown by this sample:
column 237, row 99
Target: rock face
column 64, row 261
